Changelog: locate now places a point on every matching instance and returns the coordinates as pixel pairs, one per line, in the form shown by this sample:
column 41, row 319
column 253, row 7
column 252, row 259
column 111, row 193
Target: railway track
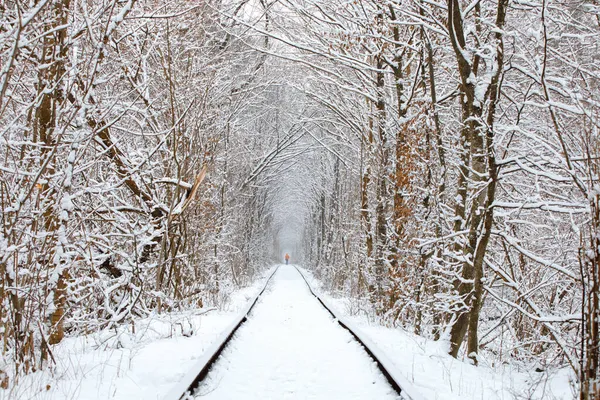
column 187, row 386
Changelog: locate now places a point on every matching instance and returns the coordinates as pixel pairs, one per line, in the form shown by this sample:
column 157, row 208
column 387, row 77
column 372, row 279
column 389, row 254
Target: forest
column 435, row 161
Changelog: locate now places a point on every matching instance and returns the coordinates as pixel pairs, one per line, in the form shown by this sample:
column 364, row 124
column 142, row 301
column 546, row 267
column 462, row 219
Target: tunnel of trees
column 437, row 162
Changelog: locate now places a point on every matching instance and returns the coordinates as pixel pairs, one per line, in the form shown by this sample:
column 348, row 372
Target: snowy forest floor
column 290, row 348
column 135, row 366
column 438, row 376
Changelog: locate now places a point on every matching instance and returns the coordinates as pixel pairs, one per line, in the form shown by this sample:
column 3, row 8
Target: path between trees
column 291, row 348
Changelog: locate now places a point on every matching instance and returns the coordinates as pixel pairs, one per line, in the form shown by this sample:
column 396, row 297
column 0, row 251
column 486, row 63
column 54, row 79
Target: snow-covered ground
column 437, row 376
column 143, row 365
column 291, row 348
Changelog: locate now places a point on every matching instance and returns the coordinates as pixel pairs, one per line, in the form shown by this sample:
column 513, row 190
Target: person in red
column 287, row 258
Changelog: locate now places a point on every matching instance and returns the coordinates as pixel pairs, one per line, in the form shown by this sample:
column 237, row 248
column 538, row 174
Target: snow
column 291, row 348
column 123, row 368
column 126, row 365
column 438, row 376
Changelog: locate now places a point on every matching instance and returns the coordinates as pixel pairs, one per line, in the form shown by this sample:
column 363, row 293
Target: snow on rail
column 406, row 389
column 195, row 376
column 199, row 372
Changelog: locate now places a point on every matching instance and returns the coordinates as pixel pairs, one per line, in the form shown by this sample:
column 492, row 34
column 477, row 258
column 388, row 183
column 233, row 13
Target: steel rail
column 185, row 388
column 400, row 384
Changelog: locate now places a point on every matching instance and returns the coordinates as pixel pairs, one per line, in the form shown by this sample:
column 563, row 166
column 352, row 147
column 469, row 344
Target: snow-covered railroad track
column 398, row 382
column 292, row 347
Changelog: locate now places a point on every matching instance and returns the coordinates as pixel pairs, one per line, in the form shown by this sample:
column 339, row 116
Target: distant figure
column 287, row 258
